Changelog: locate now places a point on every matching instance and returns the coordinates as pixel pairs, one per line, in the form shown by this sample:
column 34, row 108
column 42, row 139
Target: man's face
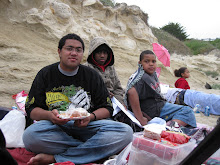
column 70, row 55
column 101, row 57
column 149, row 63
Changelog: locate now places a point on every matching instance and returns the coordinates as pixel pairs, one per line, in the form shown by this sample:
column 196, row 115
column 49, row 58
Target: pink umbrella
column 162, row 54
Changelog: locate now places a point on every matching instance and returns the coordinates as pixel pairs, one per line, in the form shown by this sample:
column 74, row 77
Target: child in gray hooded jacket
column 101, row 58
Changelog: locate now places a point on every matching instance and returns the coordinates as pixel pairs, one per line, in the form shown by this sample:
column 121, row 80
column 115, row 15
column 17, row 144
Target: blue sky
column 201, row 18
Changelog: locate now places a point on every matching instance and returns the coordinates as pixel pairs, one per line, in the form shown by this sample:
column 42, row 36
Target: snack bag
column 175, row 137
column 20, row 99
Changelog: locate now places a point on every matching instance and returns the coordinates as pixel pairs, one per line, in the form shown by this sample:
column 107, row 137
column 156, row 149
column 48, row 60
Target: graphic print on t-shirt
column 65, row 97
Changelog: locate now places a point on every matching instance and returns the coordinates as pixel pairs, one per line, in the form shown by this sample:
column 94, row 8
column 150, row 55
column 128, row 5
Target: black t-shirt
column 53, row 90
column 148, row 89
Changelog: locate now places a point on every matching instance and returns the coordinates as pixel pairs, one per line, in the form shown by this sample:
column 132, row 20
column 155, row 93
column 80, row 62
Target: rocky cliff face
column 89, row 18
column 30, row 31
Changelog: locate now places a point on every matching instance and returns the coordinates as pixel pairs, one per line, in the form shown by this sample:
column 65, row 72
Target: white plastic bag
column 12, row 126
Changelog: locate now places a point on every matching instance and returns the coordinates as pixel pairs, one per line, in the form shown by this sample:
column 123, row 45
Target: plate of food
column 74, row 114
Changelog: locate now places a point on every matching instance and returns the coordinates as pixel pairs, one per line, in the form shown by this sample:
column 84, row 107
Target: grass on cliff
column 216, row 86
column 199, row 46
column 216, row 43
column 213, row 74
column 108, row 2
column 188, row 47
column 171, row 43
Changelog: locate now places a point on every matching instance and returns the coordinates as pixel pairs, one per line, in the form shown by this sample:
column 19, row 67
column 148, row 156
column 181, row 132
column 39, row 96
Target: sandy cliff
column 30, row 31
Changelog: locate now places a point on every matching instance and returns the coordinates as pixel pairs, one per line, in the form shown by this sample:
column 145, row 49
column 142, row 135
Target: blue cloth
column 193, row 97
column 173, row 111
column 157, row 120
column 100, row 139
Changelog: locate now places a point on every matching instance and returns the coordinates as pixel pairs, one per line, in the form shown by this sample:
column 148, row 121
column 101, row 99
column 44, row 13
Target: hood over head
column 94, row 45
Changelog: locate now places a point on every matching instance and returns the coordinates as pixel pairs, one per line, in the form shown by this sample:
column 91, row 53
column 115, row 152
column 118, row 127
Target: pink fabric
column 22, row 156
column 158, row 70
column 162, row 54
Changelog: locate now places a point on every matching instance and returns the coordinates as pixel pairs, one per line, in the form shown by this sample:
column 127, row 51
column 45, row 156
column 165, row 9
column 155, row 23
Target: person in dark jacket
column 101, row 58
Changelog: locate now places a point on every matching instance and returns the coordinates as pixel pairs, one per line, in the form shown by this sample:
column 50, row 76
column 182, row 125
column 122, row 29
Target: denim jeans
column 173, row 111
column 100, row 139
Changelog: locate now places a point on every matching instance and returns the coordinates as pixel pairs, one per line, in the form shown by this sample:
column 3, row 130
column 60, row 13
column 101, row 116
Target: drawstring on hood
column 102, row 66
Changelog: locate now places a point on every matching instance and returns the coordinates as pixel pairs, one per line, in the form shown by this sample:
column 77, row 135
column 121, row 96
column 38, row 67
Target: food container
column 147, row 151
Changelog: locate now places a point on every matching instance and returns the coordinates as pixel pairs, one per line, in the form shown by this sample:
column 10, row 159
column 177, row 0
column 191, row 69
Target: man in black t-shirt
column 68, row 84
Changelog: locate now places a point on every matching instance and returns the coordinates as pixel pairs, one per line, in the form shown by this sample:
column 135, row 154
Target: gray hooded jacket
column 109, row 76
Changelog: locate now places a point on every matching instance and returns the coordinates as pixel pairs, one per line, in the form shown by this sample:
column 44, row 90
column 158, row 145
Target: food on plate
column 74, row 113
column 79, row 112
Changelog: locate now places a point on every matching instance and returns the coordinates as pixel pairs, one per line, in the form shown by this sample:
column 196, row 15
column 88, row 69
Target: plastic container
column 207, row 111
column 147, row 151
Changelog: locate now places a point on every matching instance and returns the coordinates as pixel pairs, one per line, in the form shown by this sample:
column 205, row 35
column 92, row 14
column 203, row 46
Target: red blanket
column 22, row 156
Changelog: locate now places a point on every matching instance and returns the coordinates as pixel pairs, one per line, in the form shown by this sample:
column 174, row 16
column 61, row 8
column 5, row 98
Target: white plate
column 62, row 115
column 110, row 162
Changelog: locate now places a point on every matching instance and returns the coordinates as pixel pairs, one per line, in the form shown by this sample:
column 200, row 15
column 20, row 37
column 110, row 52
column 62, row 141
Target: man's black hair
column 70, row 36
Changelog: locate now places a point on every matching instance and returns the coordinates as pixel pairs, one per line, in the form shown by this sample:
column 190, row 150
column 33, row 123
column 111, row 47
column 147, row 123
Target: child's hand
column 111, row 94
column 144, row 121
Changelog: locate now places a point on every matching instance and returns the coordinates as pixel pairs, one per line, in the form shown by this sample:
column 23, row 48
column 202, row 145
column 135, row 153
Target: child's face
column 149, row 63
column 186, row 74
column 101, row 57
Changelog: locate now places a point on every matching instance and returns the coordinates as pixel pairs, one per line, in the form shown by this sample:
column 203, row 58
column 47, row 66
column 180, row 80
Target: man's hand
column 82, row 122
column 53, row 117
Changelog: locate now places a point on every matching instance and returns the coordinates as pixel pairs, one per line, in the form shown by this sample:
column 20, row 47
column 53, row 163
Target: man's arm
column 101, row 113
column 41, row 114
column 98, row 114
column 133, row 99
